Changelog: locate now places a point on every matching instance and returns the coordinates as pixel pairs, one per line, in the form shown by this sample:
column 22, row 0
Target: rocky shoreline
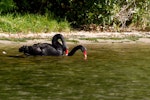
column 80, row 37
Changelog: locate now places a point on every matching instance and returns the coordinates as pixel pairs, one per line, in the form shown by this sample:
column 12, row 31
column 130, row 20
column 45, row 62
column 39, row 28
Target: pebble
column 4, row 52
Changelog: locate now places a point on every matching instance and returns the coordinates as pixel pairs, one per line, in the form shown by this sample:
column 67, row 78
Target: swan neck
column 72, row 52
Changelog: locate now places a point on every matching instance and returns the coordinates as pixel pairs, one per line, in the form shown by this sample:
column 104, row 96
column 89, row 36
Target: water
column 111, row 72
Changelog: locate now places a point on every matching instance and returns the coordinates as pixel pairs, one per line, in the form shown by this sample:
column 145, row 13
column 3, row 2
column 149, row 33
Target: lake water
column 112, row 72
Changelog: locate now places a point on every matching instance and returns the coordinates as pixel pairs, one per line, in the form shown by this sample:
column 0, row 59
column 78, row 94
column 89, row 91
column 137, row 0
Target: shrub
column 114, row 13
column 7, row 6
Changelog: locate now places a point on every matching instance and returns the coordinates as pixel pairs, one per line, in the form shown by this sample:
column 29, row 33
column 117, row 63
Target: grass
column 96, row 39
column 73, row 41
column 27, row 23
column 14, row 39
column 130, row 37
column 133, row 38
column 25, row 39
column 90, row 39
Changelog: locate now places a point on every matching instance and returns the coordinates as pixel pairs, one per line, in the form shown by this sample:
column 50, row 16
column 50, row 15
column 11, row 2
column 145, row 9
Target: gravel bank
column 80, row 37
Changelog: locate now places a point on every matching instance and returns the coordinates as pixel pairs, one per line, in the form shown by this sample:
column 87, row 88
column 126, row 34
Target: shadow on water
column 16, row 56
column 111, row 72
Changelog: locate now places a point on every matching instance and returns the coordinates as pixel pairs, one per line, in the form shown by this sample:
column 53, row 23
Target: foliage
column 134, row 11
column 114, row 13
column 7, row 5
column 142, row 17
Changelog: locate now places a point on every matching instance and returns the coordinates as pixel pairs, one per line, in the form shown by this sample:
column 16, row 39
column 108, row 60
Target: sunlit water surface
column 111, row 72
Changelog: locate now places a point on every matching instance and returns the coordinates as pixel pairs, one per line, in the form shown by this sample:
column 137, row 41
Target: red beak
column 85, row 54
column 66, row 52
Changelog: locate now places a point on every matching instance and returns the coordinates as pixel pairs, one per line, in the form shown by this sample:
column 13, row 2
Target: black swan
column 46, row 49
column 82, row 48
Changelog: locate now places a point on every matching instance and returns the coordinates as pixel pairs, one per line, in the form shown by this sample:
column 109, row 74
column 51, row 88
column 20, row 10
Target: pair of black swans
column 54, row 49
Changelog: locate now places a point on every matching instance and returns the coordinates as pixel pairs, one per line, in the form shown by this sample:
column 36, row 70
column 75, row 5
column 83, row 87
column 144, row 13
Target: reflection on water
column 111, row 72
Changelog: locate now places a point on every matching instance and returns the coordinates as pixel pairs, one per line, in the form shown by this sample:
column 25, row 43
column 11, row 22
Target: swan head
column 66, row 52
column 65, row 49
column 85, row 54
column 79, row 47
column 84, row 50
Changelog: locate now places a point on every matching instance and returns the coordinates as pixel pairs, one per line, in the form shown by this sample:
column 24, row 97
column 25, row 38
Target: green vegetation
column 57, row 15
column 73, row 41
column 31, row 23
column 19, row 39
column 130, row 37
column 133, row 38
column 14, row 39
column 90, row 39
